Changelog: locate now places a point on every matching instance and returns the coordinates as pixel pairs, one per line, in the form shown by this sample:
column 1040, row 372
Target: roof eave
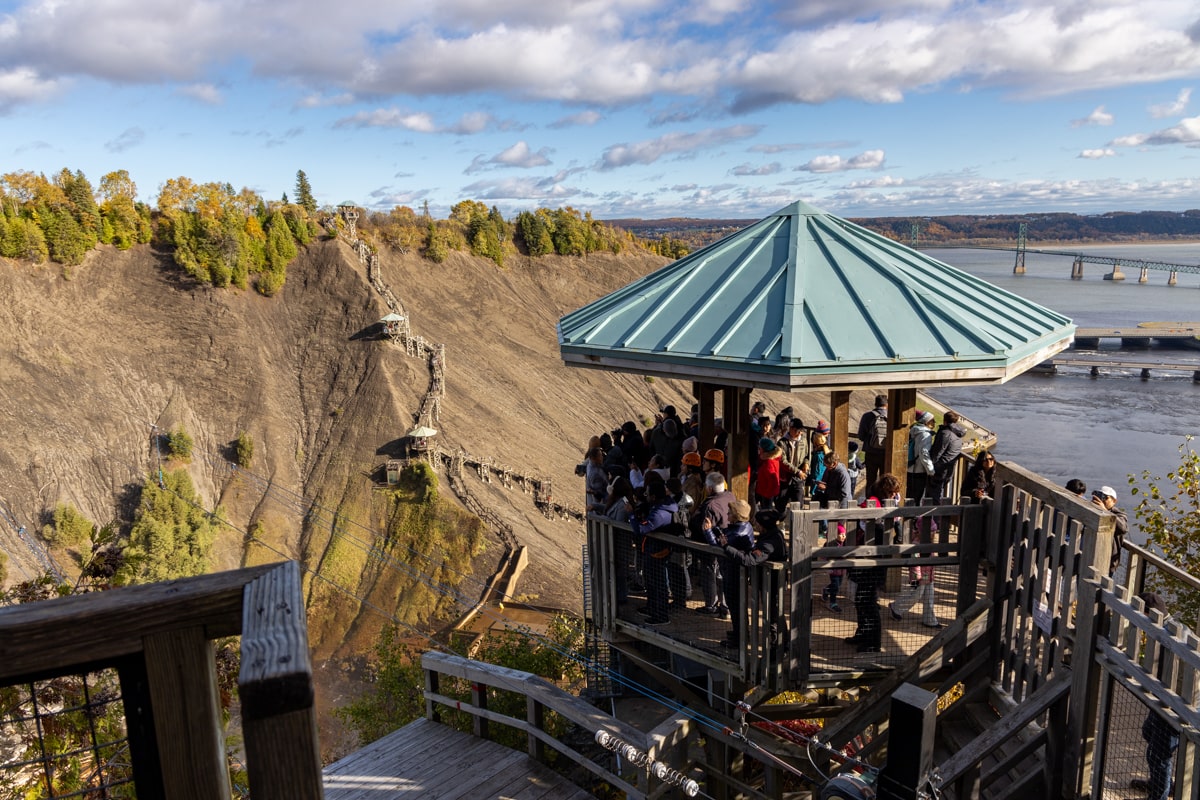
column 933, row 373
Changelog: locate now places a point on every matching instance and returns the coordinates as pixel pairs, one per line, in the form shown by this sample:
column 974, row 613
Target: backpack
column 912, row 452
column 878, row 433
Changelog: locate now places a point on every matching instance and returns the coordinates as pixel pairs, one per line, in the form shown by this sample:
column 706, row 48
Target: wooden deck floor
column 428, row 760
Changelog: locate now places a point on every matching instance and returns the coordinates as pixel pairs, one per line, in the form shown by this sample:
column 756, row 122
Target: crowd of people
column 658, row 481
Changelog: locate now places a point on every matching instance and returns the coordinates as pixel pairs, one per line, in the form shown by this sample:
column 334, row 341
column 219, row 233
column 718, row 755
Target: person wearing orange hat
column 693, row 478
column 713, row 460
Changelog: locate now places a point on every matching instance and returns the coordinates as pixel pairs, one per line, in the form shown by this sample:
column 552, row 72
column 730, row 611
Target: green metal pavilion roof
column 803, row 299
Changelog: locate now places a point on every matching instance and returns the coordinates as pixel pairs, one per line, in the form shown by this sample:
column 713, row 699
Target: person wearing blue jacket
column 659, row 516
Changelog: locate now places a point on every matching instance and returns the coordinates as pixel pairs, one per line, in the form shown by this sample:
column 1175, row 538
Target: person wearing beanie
column 816, row 466
column 830, row 593
column 920, row 465
column 772, row 473
column 710, row 519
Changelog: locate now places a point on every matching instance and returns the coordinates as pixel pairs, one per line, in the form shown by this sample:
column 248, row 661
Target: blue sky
column 649, row 108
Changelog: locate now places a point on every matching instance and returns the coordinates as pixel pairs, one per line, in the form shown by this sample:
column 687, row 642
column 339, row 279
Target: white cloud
column 884, row 182
column 742, row 170
column 419, row 122
column 1174, row 108
column 651, row 150
column 1098, row 117
column 1101, row 152
column 204, row 92
column 1187, row 132
column 519, row 155
column 23, row 85
column 870, row 159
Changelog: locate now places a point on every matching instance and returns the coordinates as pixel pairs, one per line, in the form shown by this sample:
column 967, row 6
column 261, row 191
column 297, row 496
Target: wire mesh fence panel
column 1140, row 745
column 65, row 737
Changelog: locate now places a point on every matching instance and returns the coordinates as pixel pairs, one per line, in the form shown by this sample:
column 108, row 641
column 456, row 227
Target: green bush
column 70, row 528
column 172, row 534
column 179, row 444
column 243, row 450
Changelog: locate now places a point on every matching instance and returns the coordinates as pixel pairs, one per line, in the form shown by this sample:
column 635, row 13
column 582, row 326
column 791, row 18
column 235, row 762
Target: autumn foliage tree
column 1168, row 512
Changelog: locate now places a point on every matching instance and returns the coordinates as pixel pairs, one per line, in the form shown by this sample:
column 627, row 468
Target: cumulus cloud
column 1100, row 152
column 1187, row 132
column 204, row 92
column 23, row 85
column 609, row 53
column 1174, row 108
column 870, row 159
column 129, row 138
column 743, row 170
column 519, row 155
column 417, row 121
column 1098, row 117
column 651, row 150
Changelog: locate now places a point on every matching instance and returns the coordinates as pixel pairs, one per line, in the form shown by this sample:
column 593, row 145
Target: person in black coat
column 769, row 545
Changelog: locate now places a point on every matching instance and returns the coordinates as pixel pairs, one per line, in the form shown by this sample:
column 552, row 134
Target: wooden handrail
column 541, row 694
column 158, row 637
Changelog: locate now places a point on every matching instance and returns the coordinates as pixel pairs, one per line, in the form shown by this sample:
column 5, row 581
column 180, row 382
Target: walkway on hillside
column 429, row 760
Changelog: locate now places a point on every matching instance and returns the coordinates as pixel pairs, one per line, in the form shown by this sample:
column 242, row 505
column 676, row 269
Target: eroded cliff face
column 92, row 367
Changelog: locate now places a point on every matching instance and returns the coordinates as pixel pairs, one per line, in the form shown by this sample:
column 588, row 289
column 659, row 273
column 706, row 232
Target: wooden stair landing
column 429, row 760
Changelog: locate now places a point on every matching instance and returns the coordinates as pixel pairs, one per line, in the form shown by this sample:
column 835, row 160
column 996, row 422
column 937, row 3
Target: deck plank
column 431, row 760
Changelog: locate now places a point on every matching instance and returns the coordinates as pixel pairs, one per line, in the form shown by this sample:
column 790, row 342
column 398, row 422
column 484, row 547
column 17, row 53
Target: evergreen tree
column 304, row 195
column 172, row 535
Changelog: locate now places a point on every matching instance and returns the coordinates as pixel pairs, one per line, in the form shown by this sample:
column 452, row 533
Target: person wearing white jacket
column 920, row 464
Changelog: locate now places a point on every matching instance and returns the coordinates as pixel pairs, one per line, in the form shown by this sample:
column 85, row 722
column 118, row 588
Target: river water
column 1071, row 425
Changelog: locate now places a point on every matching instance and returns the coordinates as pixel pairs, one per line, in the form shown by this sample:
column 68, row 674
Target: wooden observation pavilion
column 803, row 300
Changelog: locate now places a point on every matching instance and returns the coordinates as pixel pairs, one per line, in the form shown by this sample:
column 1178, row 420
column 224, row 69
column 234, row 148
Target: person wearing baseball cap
column 1106, row 498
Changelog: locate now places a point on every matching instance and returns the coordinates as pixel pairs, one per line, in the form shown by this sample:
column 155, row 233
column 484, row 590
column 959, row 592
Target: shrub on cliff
column 1168, row 512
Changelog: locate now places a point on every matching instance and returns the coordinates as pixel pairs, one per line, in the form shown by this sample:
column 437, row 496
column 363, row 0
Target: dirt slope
column 89, row 365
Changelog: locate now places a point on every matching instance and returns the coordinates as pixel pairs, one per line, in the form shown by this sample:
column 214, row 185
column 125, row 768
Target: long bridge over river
column 1115, row 263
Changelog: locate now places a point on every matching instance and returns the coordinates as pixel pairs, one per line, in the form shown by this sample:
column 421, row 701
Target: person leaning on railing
column 769, row 545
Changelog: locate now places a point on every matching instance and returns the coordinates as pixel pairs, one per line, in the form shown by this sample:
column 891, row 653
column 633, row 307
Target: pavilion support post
column 839, row 423
column 736, row 411
column 707, row 411
column 902, row 412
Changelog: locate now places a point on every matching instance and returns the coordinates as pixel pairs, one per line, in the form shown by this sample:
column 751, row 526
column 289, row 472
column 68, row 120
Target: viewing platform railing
column 158, row 638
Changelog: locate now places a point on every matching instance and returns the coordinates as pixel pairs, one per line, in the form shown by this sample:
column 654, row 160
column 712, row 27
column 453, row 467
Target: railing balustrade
column 159, row 640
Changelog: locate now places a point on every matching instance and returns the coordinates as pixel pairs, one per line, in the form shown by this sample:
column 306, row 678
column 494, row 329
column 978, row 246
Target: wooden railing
column 759, row 660
column 159, row 639
column 661, row 743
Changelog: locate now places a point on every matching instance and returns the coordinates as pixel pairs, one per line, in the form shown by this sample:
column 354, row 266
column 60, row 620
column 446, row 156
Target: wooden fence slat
column 182, row 673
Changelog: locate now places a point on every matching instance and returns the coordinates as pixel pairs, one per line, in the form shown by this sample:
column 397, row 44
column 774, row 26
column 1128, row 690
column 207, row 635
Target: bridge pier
column 1145, row 276
column 1086, row 342
column 1077, row 270
column 1173, row 279
column 1146, row 374
column 1116, row 274
column 1139, row 342
column 1095, row 372
column 1196, row 376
